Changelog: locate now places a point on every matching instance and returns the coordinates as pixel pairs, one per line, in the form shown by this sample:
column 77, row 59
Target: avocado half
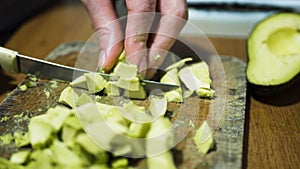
column 274, row 51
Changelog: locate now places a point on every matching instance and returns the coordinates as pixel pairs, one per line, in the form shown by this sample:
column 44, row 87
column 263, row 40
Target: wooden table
column 272, row 128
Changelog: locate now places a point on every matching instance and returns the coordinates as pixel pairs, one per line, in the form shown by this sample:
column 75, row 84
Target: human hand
column 141, row 48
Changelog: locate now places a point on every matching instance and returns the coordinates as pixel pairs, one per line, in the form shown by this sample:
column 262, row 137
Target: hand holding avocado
column 141, row 48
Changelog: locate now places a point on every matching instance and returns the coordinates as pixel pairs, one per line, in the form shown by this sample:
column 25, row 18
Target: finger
column 173, row 19
column 139, row 22
column 109, row 33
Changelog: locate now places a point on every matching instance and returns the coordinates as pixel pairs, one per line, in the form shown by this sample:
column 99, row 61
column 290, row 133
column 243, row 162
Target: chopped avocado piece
column 68, row 134
column 39, row 131
column 84, row 99
column 122, row 56
column 6, row 164
column 132, row 85
column 30, row 83
column 112, row 89
column 178, row 64
column 139, row 94
column 6, row 139
column 158, row 106
column 69, row 97
column 204, row 138
column 135, row 113
column 125, row 71
column 95, row 82
column 138, row 130
column 274, row 50
column 64, row 156
column 79, row 82
column 160, row 131
column 57, row 115
column 20, row 157
column 32, row 77
column 23, row 87
column 88, row 113
column 89, row 145
column 205, row 92
column 111, row 114
column 171, row 77
column 99, row 166
column 120, row 163
column 164, row 160
column 41, row 159
column 73, row 122
column 196, row 78
column 21, row 139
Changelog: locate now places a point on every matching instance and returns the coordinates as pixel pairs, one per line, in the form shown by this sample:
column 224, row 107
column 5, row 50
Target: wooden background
column 272, row 135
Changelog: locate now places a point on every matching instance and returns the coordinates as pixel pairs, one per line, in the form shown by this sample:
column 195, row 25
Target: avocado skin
column 289, row 89
column 279, row 95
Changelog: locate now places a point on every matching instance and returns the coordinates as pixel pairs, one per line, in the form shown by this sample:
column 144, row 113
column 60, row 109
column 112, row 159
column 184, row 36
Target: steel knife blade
column 12, row 61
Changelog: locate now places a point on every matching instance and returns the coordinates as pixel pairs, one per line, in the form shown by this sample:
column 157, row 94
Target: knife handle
column 8, row 60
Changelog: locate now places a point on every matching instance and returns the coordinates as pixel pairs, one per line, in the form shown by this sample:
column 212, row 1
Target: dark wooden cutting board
column 225, row 112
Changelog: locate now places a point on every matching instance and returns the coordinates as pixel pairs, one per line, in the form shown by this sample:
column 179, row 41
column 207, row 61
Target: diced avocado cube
column 171, row 77
column 112, row 89
column 73, row 122
column 205, row 92
column 20, row 157
column 69, row 97
column 99, row 166
column 132, row 85
column 204, row 138
column 6, row 164
column 23, row 87
column 84, row 99
column 164, row 160
column 95, row 82
column 41, row 159
column 57, row 115
column 125, row 71
column 6, row 139
column 135, row 113
column 89, row 145
column 120, row 163
column 138, row 130
column 39, row 131
column 158, row 106
column 68, row 134
column 21, row 139
column 79, row 82
column 178, row 64
column 196, row 78
column 111, row 114
column 64, row 156
column 139, row 94
column 160, row 131
column 88, row 113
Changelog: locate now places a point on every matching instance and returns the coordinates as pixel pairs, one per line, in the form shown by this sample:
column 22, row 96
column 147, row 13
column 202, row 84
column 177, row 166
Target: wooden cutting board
column 225, row 112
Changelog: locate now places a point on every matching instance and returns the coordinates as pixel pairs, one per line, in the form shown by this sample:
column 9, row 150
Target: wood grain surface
column 272, row 123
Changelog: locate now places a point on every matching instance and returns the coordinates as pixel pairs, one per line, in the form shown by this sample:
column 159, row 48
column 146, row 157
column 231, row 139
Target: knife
column 13, row 62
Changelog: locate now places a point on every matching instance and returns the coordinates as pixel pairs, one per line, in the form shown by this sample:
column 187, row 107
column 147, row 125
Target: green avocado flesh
column 274, row 50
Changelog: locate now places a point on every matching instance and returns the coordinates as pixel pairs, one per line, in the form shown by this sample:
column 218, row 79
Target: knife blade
column 12, row 61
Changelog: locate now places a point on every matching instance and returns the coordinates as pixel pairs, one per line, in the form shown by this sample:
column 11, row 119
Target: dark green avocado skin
column 279, row 95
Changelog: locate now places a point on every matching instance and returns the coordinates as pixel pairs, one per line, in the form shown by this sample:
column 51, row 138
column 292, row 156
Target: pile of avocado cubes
column 57, row 139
